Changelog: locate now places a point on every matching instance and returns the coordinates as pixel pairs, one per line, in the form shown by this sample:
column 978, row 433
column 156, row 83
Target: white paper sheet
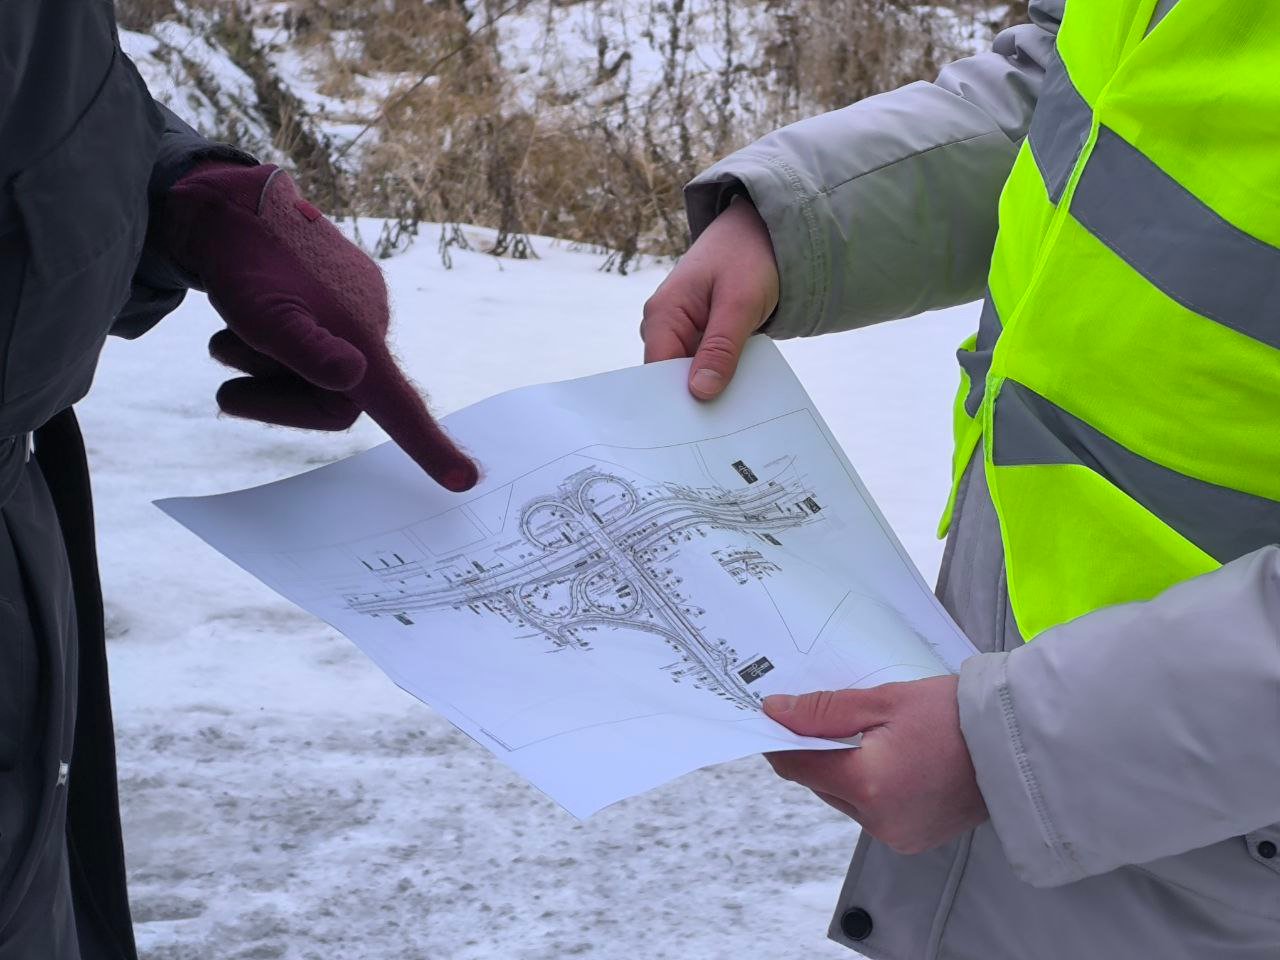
column 634, row 573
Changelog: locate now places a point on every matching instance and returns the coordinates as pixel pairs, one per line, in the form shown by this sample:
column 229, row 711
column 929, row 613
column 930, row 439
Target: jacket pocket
column 83, row 209
column 1233, row 873
column 17, row 684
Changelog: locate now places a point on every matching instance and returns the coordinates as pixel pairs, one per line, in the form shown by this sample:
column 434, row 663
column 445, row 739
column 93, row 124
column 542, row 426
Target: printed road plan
column 634, row 574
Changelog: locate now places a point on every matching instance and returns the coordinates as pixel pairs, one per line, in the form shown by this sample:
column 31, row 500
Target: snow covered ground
column 282, row 799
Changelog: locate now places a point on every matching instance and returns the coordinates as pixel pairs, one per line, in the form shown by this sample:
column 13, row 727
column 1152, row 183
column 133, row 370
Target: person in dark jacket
column 110, row 209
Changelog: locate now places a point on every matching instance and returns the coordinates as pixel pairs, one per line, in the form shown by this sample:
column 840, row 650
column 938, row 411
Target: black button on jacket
column 855, row 923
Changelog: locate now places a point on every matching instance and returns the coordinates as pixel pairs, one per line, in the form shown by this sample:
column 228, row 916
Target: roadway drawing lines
column 603, row 552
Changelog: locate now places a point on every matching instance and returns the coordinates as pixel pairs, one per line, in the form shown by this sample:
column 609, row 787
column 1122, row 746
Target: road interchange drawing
column 633, row 574
column 602, row 551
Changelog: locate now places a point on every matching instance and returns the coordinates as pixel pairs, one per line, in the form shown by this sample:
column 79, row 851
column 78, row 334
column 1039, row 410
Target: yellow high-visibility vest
column 1125, row 379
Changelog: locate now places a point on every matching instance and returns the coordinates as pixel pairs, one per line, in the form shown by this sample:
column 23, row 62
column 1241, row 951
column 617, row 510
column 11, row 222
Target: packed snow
column 283, row 799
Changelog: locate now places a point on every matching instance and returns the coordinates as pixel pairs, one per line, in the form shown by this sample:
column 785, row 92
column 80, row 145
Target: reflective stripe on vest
column 1125, row 378
column 1059, row 128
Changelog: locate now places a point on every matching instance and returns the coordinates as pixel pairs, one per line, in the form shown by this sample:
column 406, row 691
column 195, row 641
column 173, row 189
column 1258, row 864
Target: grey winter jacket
column 1128, row 758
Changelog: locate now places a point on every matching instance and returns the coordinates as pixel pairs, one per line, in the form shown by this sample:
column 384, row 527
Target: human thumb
column 829, row 713
column 730, row 326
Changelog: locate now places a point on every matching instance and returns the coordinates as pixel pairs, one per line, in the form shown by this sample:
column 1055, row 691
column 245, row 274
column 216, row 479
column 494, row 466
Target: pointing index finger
column 393, row 403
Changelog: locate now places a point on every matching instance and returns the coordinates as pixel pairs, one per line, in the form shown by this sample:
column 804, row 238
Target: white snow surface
column 283, row 799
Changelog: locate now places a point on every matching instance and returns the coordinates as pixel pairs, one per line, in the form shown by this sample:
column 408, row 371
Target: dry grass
column 142, row 14
column 592, row 150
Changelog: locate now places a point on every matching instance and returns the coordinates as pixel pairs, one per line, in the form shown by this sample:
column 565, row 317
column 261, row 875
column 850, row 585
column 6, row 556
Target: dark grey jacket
column 1128, row 757
column 86, row 157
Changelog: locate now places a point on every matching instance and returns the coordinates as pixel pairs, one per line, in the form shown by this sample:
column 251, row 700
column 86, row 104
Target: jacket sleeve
column 159, row 284
column 888, row 207
column 1136, row 732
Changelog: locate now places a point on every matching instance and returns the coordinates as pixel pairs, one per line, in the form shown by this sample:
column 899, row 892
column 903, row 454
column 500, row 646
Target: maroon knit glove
column 306, row 313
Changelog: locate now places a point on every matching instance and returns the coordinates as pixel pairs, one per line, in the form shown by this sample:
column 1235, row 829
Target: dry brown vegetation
column 624, row 102
column 141, row 14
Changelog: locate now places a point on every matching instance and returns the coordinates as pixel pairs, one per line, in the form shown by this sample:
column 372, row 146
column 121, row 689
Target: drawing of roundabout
column 601, row 553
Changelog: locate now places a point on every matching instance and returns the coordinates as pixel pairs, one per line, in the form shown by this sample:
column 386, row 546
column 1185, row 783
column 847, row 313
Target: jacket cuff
column 181, row 149
column 1006, row 776
column 785, row 203
column 159, row 284
column 1130, row 734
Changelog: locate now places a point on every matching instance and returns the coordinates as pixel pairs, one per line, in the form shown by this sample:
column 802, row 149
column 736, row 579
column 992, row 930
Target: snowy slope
column 284, row 800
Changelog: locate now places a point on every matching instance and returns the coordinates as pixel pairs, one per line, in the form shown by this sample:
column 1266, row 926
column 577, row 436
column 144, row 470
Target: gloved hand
column 306, row 313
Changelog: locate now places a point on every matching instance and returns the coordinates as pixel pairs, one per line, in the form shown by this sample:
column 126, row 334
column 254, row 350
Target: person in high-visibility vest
column 1103, row 781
